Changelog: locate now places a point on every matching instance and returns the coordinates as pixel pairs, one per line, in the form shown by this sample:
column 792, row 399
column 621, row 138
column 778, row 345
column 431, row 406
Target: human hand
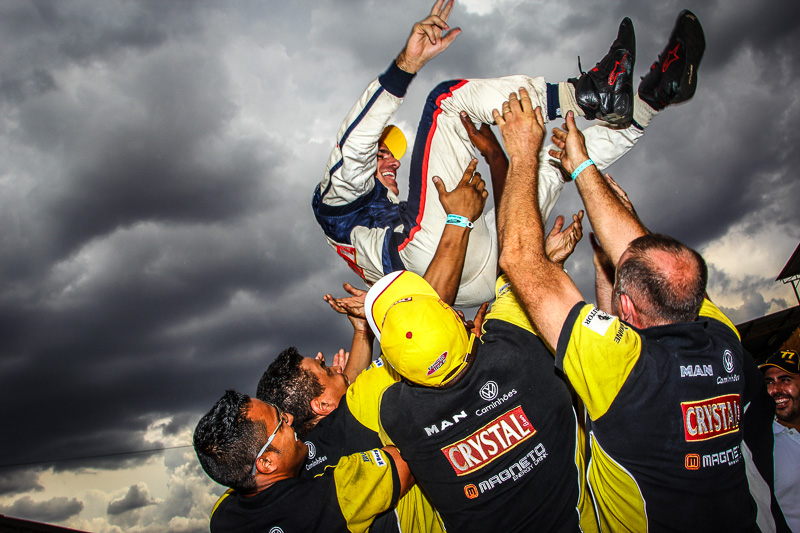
column 621, row 194
column 352, row 306
column 522, row 127
column 341, row 358
column 483, row 139
column 571, row 145
column 474, row 326
column 559, row 243
column 468, row 197
column 427, row 39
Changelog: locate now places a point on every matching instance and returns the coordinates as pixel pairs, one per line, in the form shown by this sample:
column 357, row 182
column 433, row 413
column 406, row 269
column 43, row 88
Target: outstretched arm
column 487, row 144
column 545, row 290
column 467, row 200
column 614, row 224
column 360, row 354
column 427, row 39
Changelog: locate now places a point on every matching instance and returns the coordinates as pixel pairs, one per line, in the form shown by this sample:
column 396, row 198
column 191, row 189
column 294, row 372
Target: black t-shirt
column 496, row 451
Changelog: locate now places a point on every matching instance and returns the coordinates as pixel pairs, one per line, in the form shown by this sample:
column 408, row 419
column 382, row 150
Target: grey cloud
column 15, row 480
column 138, row 496
column 52, row 510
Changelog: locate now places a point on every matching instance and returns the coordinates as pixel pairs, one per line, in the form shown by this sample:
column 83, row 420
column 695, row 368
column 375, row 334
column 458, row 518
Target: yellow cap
column 394, row 140
column 421, row 336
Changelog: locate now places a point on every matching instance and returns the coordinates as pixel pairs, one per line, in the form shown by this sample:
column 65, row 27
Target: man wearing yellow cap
column 485, row 424
column 357, row 205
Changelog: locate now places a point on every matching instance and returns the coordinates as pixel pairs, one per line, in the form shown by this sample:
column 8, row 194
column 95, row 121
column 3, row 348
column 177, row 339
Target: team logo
column 710, row 418
column 696, row 370
column 437, row 364
column 727, row 360
column 312, row 451
column 276, row 530
column 471, row 491
column 692, row 461
column 489, row 391
column 497, row 437
column 348, row 253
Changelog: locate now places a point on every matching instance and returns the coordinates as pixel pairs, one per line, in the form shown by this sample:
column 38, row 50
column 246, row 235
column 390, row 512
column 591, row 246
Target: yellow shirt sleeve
column 506, row 307
column 709, row 310
column 363, row 396
column 599, row 357
column 366, row 484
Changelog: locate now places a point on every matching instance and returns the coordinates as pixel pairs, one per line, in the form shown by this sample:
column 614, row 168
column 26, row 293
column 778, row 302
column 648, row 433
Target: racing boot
column 673, row 77
column 606, row 91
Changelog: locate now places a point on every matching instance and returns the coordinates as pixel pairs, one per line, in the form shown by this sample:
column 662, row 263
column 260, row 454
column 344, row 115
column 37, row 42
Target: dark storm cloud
column 15, row 481
column 137, row 497
column 52, row 510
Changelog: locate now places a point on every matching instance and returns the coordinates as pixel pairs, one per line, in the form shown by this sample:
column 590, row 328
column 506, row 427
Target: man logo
column 489, row 391
column 727, row 360
column 692, row 461
column 471, row 491
column 312, row 451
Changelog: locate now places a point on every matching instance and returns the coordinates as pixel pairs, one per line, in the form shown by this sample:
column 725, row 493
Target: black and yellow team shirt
column 353, row 427
column 344, row 499
column 665, row 405
column 496, row 450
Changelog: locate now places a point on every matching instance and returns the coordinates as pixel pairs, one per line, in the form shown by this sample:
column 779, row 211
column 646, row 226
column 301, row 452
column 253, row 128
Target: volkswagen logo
column 312, row 451
column 727, row 360
column 276, row 529
column 489, row 391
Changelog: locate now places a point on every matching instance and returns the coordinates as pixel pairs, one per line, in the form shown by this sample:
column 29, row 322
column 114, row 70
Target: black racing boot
column 606, row 91
column 673, row 77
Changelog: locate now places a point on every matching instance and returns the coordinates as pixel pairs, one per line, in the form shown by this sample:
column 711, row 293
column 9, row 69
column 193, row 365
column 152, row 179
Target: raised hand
column 522, row 127
column 427, row 39
column 352, row 306
column 571, row 145
column 560, row 243
column 468, row 197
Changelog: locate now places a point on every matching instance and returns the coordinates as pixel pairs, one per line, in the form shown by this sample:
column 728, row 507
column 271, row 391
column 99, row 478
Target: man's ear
column 628, row 310
column 266, row 464
column 321, row 406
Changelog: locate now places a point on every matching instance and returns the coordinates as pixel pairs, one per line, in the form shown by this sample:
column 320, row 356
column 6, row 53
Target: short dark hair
column 291, row 387
column 227, row 442
column 664, row 291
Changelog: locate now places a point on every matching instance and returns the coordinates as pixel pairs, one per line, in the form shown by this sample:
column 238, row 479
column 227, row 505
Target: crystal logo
column 489, row 391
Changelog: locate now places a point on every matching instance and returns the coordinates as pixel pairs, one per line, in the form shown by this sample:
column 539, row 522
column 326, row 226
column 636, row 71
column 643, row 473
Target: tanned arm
column 545, row 290
column 614, row 224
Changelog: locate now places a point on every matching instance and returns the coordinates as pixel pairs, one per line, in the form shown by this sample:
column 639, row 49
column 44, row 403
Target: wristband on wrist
column 581, row 168
column 458, row 220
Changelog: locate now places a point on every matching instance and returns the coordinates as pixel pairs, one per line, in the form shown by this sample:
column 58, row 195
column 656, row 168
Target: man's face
column 331, row 378
column 292, row 451
column 387, row 168
column 785, row 390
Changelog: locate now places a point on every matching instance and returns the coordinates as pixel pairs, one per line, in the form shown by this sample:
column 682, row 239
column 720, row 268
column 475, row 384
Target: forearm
column 360, row 353
column 614, row 225
column 498, row 168
column 519, row 223
column 444, row 271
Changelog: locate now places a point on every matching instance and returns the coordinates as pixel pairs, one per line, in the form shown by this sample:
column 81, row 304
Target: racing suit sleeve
column 352, row 163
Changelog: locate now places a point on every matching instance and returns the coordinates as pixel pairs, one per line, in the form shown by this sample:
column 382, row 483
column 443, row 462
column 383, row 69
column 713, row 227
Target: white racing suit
column 377, row 234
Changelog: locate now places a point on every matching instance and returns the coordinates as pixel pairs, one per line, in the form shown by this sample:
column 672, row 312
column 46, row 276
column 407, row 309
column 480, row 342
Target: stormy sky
column 157, row 163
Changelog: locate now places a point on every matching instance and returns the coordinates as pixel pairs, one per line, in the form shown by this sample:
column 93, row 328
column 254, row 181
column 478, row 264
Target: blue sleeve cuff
column 395, row 80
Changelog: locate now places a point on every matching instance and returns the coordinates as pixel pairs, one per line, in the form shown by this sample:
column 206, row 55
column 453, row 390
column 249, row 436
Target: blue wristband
column 581, row 168
column 458, row 220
